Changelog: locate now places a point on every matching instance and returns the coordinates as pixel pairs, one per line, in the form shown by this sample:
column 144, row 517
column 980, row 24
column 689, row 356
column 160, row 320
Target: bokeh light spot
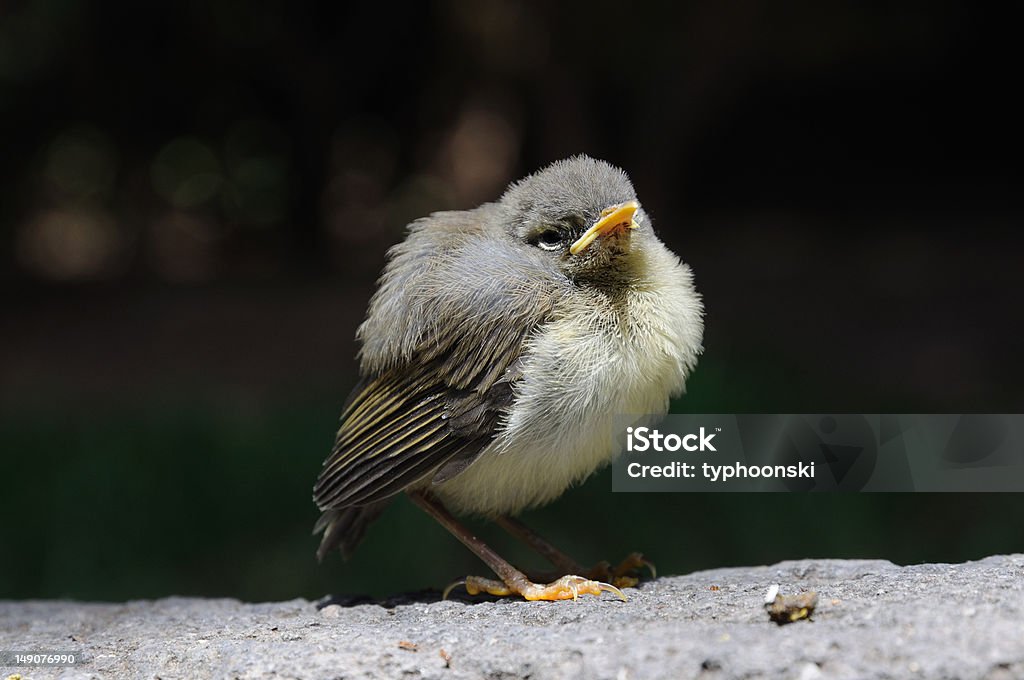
column 67, row 244
column 183, row 247
column 186, row 173
column 256, row 155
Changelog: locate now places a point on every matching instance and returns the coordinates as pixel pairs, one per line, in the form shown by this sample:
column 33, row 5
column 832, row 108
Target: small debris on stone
column 783, row 609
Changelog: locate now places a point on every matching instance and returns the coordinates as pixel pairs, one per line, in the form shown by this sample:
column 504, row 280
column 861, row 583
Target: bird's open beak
column 613, row 218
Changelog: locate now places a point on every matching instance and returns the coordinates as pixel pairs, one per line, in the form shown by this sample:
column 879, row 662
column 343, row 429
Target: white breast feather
column 628, row 359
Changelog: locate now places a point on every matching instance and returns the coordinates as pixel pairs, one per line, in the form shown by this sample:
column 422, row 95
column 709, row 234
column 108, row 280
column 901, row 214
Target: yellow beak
column 612, row 218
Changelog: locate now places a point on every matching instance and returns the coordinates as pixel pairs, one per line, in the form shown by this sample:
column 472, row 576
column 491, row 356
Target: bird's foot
column 566, row 588
column 626, row 574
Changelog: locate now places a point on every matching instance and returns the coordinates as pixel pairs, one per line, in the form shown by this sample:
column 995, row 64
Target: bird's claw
column 624, row 575
column 450, row 587
column 566, row 588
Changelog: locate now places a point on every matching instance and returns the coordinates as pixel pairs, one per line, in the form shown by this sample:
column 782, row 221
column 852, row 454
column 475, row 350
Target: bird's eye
column 549, row 239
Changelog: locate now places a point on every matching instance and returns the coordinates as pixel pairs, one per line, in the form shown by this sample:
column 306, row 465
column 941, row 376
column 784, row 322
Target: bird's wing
column 440, row 349
column 412, row 421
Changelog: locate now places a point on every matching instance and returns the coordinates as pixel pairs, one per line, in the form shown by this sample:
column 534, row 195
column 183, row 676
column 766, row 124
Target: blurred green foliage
column 197, row 497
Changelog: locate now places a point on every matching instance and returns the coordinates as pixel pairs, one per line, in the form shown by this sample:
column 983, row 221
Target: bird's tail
column 344, row 527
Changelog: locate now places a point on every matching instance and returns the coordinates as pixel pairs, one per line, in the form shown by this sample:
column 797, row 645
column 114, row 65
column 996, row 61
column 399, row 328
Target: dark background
column 196, row 198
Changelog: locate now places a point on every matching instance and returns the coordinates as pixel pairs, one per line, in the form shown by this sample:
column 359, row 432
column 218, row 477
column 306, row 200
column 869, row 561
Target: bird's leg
column 512, row 580
column 622, row 575
column 564, row 563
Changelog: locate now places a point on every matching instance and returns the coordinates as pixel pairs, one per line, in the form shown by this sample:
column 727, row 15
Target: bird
column 500, row 346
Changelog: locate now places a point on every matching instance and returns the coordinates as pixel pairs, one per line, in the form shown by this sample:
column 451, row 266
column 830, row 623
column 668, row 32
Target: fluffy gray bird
column 496, row 353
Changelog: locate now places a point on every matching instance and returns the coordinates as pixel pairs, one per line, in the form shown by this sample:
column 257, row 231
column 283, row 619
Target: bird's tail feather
column 344, row 527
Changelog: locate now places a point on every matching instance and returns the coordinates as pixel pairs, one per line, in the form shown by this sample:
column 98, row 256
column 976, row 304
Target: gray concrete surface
column 874, row 620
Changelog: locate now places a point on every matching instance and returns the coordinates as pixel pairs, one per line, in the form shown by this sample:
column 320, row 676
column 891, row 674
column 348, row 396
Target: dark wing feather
column 441, row 348
column 413, row 420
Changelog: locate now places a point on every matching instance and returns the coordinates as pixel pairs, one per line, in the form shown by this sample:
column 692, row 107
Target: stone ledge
column 874, row 620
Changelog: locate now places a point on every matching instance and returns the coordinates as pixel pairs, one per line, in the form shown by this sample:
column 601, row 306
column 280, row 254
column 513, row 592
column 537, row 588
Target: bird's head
column 582, row 214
